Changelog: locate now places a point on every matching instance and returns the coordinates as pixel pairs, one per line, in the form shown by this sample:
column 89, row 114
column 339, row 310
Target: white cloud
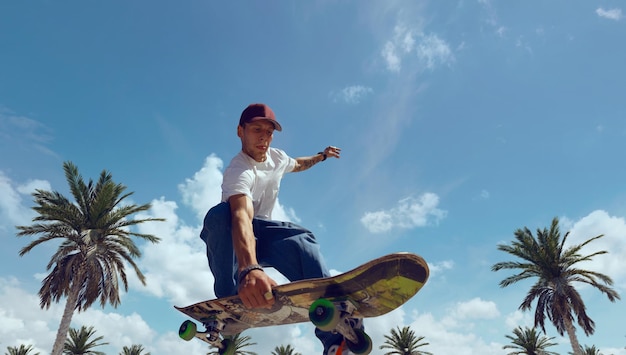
column 118, row 330
column 12, row 209
column 444, row 339
column 433, row 51
column 168, row 265
column 23, row 321
column 409, row 213
column 351, row 94
column 282, row 213
column 519, row 318
column 392, row 60
column 476, row 308
column 614, row 241
column 501, row 31
column 612, row 14
column 440, row 266
column 430, row 50
column 204, row 189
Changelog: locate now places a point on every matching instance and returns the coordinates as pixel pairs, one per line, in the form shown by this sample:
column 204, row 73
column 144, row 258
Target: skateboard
column 370, row 290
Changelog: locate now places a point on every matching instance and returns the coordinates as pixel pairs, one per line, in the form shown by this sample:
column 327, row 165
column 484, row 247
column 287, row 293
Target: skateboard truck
column 335, row 317
column 213, row 330
column 213, row 326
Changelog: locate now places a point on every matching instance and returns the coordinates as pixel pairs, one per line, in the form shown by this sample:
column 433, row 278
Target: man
column 239, row 233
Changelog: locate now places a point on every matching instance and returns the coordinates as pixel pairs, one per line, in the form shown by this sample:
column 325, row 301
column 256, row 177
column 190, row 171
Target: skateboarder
column 240, row 235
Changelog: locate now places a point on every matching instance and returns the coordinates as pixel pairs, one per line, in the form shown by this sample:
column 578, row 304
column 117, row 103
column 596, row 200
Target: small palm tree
column 282, row 350
column 238, row 343
column 133, row 350
column 79, row 343
column 527, row 341
column 96, row 244
column 588, row 350
column 404, row 342
column 22, row 350
column 546, row 258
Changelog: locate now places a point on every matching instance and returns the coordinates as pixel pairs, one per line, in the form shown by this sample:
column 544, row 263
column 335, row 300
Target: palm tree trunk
column 66, row 320
column 571, row 333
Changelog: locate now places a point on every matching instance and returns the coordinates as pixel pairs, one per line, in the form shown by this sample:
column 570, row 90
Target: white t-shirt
column 259, row 181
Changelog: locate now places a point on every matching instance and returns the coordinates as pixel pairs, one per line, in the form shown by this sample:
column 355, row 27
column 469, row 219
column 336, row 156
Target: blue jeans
column 290, row 249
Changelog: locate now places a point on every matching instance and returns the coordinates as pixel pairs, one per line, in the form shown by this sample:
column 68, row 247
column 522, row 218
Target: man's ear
column 239, row 131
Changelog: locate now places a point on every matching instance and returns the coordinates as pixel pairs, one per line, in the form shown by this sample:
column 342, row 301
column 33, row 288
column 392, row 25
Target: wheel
column 324, row 315
column 187, row 330
column 364, row 344
column 228, row 347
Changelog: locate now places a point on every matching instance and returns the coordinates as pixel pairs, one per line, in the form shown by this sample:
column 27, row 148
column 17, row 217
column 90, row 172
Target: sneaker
column 340, row 349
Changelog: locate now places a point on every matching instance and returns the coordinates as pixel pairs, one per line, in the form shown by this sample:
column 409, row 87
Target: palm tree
column 79, row 343
column 546, row 259
column 22, row 350
column 282, row 350
column 527, row 341
column 237, row 342
column 588, row 350
column 133, row 350
column 404, row 342
column 95, row 244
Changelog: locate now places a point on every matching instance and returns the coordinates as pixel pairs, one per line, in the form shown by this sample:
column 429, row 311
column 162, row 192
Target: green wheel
column 324, row 315
column 187, row 330
column 364, row 344
column 228, row 347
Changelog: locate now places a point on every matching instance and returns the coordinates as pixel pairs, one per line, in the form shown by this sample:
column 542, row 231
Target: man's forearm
column 244, row 246
column 244, row 242
column 304, row 163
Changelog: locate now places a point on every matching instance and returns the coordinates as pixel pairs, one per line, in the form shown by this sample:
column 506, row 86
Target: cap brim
column 277, row 125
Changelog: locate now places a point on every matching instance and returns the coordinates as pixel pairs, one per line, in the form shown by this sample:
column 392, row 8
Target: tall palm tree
column 527, row 341
column 133, row 350
column 22, row 350
column 79, row 343
column 95, row 243
column 236, row 343
column 404, row 342
column 282, row 350
column 546, row 258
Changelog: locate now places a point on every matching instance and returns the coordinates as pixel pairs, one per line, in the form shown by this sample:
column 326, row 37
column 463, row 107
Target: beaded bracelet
column 248, row 269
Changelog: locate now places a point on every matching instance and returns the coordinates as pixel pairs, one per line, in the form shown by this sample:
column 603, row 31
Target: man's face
column 256, row 138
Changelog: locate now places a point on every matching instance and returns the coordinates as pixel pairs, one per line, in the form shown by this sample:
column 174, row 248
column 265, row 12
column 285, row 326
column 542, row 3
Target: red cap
column 257, row 112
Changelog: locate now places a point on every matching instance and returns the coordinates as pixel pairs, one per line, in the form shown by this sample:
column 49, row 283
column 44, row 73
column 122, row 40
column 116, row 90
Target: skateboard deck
column 370, row 290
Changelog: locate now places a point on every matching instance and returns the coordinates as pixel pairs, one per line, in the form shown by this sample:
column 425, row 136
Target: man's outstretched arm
column 303, row 163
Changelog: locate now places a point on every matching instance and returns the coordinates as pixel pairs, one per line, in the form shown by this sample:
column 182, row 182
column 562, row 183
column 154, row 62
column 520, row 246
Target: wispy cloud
column 24, row 133
column 434, row 51
column 612, row 14
column 430, row 50
column 351, row 94
column 409, row 213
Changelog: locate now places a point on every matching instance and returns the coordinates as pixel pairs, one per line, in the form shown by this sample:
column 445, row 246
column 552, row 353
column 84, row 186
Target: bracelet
column 248, row 269
column 324, row 156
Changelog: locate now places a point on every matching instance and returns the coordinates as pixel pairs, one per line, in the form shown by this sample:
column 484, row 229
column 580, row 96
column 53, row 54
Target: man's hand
column 255, row 290
column 332, row 152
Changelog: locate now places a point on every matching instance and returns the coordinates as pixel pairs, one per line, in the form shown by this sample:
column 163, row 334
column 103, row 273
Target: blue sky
column 459, row 122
